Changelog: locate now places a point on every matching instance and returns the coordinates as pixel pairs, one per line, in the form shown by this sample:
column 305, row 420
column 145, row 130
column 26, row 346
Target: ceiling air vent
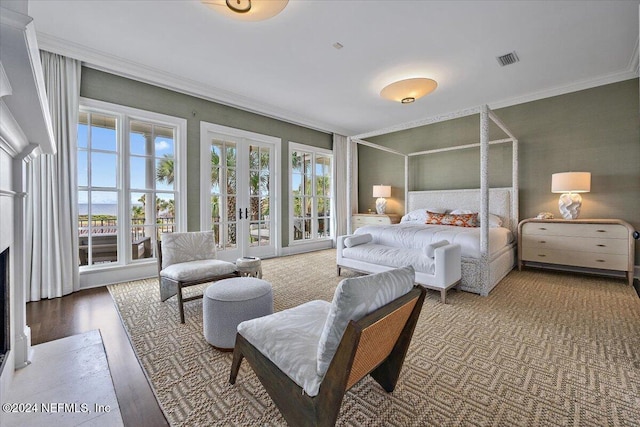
column 508, row 59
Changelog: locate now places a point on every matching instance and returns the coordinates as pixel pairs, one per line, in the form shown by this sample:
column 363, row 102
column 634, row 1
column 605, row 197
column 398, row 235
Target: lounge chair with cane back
column 308, row 356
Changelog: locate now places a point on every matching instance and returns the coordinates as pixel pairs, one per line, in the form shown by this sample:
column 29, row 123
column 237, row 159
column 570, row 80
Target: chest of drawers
column 358, row 220
column 595, row 243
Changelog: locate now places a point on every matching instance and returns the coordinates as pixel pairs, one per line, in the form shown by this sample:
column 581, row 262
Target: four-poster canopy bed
column 486, row 263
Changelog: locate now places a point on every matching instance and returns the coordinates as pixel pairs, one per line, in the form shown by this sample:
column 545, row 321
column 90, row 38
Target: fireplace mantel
column 25, row 133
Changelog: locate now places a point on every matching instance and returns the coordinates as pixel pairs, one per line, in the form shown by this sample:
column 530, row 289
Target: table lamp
column 571, row 184
column 381, row 191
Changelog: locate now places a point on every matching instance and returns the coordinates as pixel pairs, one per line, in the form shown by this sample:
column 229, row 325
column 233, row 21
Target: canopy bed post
column 349, row 184
column 406, row 183
column 484, row 193
column 514, row 183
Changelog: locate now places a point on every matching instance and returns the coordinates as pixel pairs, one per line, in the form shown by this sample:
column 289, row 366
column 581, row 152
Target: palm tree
column 164, row 172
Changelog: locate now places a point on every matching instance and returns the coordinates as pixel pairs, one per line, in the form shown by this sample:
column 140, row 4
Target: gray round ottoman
column 228, row 302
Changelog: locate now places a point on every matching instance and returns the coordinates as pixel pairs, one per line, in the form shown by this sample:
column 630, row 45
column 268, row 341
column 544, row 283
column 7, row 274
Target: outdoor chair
column 187, row 259
column 307, row 357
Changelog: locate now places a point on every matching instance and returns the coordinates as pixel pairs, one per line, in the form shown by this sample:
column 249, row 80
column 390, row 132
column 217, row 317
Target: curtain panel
column 51, row 223
column 341, row 170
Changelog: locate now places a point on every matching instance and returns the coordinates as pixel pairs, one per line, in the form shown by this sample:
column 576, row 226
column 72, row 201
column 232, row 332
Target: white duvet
column 418, row 236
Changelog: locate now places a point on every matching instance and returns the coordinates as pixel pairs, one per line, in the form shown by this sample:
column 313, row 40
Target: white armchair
column 187, row 259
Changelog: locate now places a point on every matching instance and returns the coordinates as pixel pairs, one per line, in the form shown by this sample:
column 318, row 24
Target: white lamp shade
column 381, row 191
column 571, row 182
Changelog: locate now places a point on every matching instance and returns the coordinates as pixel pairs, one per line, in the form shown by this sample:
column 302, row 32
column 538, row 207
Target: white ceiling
column 286, row 66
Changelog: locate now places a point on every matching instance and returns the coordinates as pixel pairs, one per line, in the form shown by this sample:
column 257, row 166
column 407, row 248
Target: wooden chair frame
column 376, row 344
column 170, row 287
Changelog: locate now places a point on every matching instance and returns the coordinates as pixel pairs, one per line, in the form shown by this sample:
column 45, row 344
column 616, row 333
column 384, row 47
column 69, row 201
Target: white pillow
column 430, row 250
column 494, row 220
column 359, row 239
column 355, row 298
column 421, row 214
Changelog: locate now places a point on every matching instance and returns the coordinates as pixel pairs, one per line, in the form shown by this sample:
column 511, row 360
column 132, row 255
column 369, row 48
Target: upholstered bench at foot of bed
column 441, row 273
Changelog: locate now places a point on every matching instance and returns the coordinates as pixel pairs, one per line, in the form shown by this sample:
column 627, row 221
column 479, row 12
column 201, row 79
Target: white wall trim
column 96, row 277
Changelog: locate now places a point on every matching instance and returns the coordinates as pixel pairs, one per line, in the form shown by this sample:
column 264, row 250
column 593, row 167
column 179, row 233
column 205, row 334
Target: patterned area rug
column 544, row 348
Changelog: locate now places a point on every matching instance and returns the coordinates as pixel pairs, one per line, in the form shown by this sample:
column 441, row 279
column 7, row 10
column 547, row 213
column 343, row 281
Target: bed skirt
column 499, row 266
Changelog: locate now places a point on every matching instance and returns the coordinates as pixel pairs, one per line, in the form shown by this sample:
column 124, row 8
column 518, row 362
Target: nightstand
column 592, row 243
column 358, row 220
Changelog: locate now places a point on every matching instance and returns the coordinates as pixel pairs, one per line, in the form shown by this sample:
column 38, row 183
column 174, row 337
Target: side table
column 249, row 267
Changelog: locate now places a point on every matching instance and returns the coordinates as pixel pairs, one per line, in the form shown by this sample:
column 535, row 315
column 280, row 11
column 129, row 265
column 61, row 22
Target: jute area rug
column 544, row 348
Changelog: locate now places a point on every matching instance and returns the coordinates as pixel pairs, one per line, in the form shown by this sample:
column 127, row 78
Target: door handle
column 246, row 213
column 240, row 213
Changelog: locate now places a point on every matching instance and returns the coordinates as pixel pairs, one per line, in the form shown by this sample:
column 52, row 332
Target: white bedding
column 418, row 236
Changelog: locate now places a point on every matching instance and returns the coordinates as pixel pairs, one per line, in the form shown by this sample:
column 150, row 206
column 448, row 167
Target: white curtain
column 341, row 169
column 51, row 227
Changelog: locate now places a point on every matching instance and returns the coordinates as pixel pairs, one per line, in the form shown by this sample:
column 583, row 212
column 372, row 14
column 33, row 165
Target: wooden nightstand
column 358, row 220
column 593, row 243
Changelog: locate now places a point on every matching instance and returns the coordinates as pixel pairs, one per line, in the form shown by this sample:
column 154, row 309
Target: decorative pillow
column 430, row 250
column 359, row 239
column 462, row 220
column 355, row 298
column 184, row 247
column 494, row 220
column 420, row 214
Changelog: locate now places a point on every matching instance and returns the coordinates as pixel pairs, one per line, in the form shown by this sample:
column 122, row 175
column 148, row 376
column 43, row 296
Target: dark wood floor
column 94, row 309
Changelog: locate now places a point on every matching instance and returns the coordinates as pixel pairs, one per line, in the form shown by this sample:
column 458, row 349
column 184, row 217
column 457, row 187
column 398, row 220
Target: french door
column 238, row 191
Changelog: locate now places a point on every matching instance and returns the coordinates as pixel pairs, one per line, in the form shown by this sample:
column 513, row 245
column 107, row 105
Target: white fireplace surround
column 25, row 133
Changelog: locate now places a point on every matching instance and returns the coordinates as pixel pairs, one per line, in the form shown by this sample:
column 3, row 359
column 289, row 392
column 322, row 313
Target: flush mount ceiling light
column 248, row 10
column 407, row 91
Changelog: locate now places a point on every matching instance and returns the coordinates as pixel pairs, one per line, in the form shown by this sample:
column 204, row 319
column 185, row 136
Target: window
column 129, row 177
column 310, row 202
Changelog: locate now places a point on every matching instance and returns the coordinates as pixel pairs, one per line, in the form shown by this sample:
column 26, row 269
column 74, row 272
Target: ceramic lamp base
column 569, row 205
column 381, row 205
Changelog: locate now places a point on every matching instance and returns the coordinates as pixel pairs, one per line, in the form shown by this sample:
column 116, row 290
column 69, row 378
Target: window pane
column 231, row 154
column 164, row 141
column 296, row 162
column 103, row 170
column 140, row 138
column 140, row 210
column 103, row 132
column 165, row 211
column 231, row 208
column 231, row 181
column 83, row 130
column 165, row 173
column 254, row 183
column 83, row 169
column 254, row 157
column 264, row 159
column 140, row 173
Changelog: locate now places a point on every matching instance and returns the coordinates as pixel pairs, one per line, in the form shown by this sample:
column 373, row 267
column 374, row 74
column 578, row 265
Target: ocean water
column 98, row 209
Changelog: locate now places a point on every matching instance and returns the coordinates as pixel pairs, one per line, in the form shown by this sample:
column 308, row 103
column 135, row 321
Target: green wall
column 595, row 130
column 119, row 90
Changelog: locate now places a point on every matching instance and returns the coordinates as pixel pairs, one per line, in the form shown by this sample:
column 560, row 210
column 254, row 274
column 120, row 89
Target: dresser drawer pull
column 541, row 255
column 601, row 246
column 600, row 260
column 541, row 228
column 601, row 231
column 542, row 241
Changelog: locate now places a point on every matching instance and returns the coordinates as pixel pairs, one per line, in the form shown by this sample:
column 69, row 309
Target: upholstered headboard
column 499, row 202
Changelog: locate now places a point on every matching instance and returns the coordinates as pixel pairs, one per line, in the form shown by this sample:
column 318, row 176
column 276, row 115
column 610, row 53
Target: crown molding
column 630, row 73
column 101, row 61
